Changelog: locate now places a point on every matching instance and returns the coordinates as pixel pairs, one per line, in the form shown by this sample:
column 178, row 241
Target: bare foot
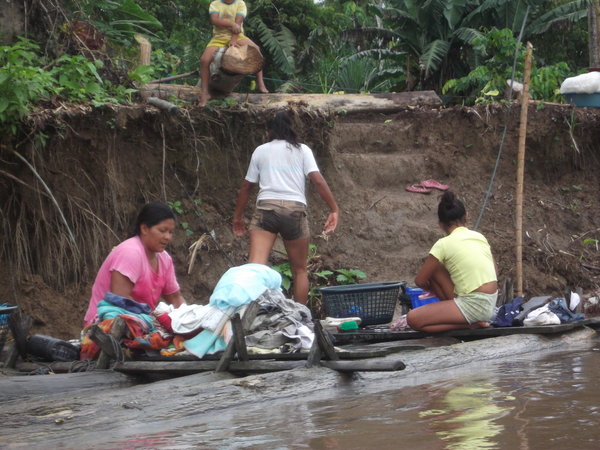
column 263, row 89
column 203, row 100
column 477, row 325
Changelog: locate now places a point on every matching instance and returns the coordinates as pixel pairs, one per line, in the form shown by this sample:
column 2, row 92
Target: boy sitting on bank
column 227, row 17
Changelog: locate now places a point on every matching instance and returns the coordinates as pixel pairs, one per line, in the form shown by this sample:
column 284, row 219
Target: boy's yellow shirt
column 227, row 11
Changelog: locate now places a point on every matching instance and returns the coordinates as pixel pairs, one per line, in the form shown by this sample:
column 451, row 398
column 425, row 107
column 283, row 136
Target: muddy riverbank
column 97, row 166
column 130, row 416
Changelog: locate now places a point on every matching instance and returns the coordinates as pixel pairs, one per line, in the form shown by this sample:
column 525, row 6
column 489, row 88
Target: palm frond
column 280, row 44
column 433, row 56
column 467, row 35
column 572, row 11
column 369, row 33
column 375, row 53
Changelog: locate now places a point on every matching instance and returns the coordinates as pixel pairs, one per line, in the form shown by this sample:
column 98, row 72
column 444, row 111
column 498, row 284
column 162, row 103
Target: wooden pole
column 521, row 172
column 238, row 343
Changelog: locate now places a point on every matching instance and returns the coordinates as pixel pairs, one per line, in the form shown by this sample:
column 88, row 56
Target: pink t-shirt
column 129, row 259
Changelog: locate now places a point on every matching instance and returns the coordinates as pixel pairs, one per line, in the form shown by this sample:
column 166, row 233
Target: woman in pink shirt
column 139, row 268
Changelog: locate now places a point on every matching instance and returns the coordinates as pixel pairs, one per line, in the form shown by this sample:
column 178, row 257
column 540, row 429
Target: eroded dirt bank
column 99, row 166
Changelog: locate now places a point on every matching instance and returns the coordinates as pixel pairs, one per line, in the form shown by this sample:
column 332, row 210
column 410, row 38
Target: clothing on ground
column 281, row 323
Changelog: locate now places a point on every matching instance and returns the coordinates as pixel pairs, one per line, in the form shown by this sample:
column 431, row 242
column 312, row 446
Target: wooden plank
column 314, row 355
column 506, row 331
column 388, row 102
column 242, row 328
column 368, row 336
column 236, row 345
column 359, row 353
column 248, row 367
column 190, row 367
column 324, row 342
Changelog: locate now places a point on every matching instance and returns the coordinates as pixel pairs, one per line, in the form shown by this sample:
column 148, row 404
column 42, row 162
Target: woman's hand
column 239, row 227
column 331, row 223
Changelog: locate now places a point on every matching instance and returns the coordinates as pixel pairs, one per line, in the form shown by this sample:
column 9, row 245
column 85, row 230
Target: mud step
column 371, row 137
column 389, row 171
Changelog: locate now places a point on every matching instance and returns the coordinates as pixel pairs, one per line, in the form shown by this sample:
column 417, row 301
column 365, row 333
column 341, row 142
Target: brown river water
column 549, row 401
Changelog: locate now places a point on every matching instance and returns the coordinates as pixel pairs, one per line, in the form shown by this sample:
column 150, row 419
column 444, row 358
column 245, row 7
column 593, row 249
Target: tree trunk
column 594, row 35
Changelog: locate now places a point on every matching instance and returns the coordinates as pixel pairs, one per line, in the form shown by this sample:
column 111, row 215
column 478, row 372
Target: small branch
column 37, row 175
column 175, row 77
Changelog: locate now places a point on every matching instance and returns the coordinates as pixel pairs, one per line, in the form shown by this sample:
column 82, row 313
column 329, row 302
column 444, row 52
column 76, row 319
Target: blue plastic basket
column 5, row 311
column 416, row 301
column 374, row 303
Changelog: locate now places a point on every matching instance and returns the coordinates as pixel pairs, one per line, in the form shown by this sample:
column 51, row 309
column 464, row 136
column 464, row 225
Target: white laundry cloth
column 541, row 316
column 188, row 318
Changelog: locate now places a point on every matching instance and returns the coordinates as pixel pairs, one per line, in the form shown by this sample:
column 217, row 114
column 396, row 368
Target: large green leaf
column 434, row 54
column 280, row 45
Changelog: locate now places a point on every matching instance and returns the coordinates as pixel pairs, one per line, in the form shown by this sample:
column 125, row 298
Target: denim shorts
column 284, row 217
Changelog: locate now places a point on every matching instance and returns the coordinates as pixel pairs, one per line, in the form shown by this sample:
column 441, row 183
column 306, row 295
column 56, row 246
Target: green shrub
column 488, row 81
column 23, row 82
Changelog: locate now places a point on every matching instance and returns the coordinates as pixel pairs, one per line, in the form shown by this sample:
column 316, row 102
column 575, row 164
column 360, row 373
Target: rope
column 118, row 351
column 43, row 370
column 488, row 193
column 86, row 365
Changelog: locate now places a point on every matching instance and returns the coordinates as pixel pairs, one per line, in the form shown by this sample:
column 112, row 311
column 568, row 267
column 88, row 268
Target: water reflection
column 467, row 416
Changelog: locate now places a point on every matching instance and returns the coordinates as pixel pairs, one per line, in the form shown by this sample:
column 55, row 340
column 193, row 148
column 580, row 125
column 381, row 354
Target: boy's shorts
column 221, row 42
column 288, row 218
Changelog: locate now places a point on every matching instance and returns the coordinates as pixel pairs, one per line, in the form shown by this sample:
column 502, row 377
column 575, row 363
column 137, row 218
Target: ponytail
column 451, row 209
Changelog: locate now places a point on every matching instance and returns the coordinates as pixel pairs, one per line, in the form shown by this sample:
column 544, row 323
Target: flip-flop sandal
column 418, row 189
column 434, row 184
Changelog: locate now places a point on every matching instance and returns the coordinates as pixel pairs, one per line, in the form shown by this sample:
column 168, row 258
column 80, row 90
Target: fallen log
column 255, row 366
column 343, row 103
column 191, row 367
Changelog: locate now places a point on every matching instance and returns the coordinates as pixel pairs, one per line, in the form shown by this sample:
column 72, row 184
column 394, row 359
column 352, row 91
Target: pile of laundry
column 543, row 310
column 425, row 187
column 281, row 324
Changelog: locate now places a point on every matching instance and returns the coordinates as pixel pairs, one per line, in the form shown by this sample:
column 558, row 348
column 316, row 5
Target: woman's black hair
column 451, row 209
column 151, row 214
column 280, row 127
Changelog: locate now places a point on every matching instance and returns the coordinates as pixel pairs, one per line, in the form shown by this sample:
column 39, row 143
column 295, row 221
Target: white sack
column 586, row 83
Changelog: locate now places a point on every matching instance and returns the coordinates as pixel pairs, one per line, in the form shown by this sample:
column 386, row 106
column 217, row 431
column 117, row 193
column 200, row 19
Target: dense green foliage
column 465, row 47
column 488, row 81
column 24, row 82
